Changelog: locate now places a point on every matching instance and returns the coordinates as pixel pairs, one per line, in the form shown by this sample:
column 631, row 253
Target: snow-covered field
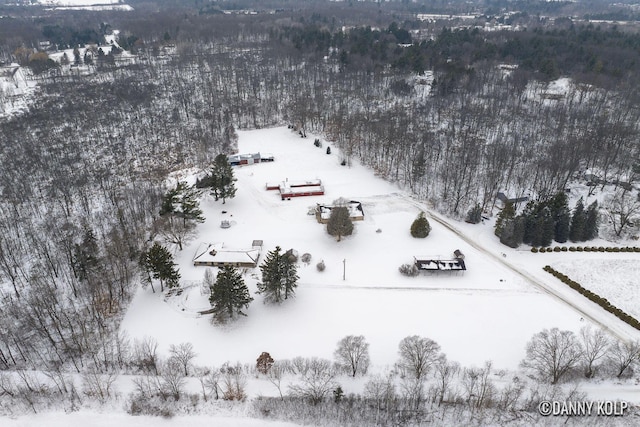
column 622, row 290
column 97, row 419
column 487, row 313
column 86, row 4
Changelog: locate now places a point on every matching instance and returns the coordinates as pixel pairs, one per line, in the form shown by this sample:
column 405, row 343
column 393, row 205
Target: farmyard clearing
column 487, row 313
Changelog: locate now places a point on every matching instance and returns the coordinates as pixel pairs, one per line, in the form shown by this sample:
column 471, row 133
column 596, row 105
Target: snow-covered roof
column 437, row 263
column 217, row 254
column 354, row 208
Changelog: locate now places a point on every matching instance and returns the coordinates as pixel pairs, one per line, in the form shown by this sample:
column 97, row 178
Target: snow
column 599, row 276
column 85, row 4
column 488, row 312
column 96, row 419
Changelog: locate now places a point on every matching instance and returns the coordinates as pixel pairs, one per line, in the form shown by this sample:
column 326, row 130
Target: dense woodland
column 84, row 167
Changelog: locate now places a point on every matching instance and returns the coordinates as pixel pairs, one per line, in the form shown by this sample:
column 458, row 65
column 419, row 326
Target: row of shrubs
column 602, row 302
column 585, row 249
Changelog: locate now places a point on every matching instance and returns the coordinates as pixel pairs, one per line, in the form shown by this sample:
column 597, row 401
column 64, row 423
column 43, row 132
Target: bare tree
column 352, row 354
column 275, row 375
column 595, row 345
column 209, row 381
column 145, row 354
column 510, row 395
column 174, row 230
column 173, row 381
column 552, row 353
column 382, row 392
column 7, row 385
column 622, row 208
column 413, row 391
column 182, row 355
column 147, row 385
column 97, row 385
column 234, row 382
column 445, row 372
column 317, row 381
column 417, row 355
column 478, row 386
column 624, row 355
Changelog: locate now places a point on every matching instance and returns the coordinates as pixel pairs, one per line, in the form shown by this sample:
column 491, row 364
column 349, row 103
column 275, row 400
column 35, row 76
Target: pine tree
column 561, row 216
column 289, row 276
column 279, row 277
column 547, row 227
column 229, row 295
column 474, row 215
column 221, row 179
column 339, row 223
column 86, row 255
column 512, row 231
column 531, row 225
column 158, row 263
column 508, row 213
column 592, row 222
column 420, row 227
column 576, row 231
column 182, row 202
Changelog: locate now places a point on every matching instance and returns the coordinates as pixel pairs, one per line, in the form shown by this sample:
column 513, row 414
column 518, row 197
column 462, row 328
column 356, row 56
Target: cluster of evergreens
column 585, row 52
column 542, row 222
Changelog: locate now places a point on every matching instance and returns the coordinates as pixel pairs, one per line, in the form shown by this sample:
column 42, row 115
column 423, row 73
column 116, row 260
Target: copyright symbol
column 545, row 408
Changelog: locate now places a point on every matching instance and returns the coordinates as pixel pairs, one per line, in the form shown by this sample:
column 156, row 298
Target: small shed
column 507, row 199
column 438, row 264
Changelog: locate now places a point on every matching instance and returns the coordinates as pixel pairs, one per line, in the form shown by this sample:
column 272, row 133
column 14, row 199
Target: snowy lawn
column 487, row 313
column 95, row 419
column 598, row 275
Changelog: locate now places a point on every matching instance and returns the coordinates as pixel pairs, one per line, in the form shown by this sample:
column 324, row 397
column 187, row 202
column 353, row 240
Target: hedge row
column 585, row 249
column 602, row 302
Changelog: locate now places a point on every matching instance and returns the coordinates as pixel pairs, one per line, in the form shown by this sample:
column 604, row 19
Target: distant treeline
column 586, row 52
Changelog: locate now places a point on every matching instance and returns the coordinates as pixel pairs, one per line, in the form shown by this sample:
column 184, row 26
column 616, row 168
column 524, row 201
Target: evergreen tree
column 508, row 213
column 531, row 225
column 279, row 277
column 576, row 231
column 420, row 227
column 512, row 231
column 85, row 255
column 546, row 226
column 561, row 216
column 592, row 222
column 229, row 295
column 158, row 263
column 289, row 275
column 474, row 216
column 221, row 179
column 182, row 202
column 339, row 223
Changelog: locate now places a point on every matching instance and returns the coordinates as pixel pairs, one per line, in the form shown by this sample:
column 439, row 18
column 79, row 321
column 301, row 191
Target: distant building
column 249, row 159
column 289, row 189
column 506, row 199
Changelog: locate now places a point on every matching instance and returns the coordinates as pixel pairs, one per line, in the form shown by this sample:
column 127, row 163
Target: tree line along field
column 84, row 168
